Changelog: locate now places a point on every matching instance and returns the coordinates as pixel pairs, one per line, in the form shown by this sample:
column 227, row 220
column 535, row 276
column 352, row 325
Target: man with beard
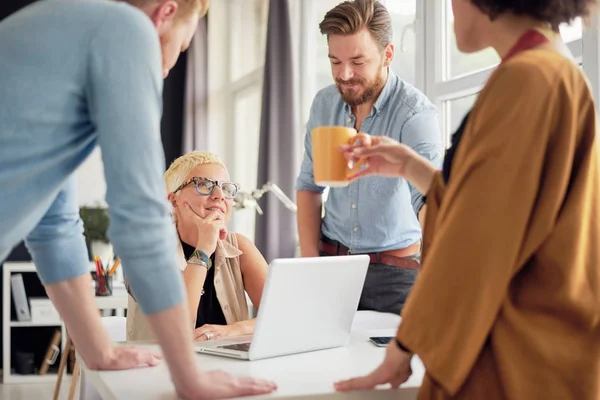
column 376, row 216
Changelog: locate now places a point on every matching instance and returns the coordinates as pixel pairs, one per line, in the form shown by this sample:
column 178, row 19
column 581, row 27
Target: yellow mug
column 330, row 167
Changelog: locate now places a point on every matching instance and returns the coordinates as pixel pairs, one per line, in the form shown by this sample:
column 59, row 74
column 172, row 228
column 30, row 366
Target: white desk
column 297, row 375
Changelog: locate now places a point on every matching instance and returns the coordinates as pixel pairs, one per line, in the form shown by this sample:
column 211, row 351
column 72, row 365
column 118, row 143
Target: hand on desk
column 395, row 370
column 223, row 385
column 130, row 357
column 210, row 332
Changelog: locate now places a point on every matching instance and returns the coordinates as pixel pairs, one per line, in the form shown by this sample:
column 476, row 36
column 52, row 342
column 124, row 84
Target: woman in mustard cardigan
column 507, row 305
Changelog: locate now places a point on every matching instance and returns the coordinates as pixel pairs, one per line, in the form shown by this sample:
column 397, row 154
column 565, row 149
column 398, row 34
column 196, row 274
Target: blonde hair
column 181, row 167
column 185, row 6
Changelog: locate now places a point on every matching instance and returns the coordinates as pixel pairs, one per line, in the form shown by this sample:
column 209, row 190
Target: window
column 404, row 17
column 321, row 60
column 246, row 113
column 248, row 30
column 572, row 35
column 456, row 111
column 452, row 78
column 459, row 63
column 572, row 32
column 237, row 43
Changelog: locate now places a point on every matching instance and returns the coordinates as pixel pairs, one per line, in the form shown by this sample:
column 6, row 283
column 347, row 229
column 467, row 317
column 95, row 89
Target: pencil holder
column 103, row 283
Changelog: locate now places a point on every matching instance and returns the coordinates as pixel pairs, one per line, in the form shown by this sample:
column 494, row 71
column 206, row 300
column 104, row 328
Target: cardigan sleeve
column 433, row 199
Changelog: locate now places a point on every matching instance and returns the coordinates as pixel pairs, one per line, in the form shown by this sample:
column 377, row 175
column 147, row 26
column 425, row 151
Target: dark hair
column 350, row 17
column 554, row 12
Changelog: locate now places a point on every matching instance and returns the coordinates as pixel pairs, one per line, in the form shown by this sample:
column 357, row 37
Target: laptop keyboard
column 237, row 346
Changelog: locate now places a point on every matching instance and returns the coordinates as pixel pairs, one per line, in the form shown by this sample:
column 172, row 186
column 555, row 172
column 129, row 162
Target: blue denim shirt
column 374, row 213
column 75, row 74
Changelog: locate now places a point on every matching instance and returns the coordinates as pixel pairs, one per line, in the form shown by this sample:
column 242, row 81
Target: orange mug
column 330, row 167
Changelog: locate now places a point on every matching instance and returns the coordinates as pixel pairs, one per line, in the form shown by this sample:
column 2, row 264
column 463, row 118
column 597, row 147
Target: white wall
column 91, row 186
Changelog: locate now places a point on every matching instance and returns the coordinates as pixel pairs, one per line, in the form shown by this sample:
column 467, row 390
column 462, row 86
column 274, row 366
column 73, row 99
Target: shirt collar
column 384, row 96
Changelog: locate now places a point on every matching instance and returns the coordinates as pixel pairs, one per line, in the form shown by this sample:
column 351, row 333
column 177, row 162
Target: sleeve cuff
column 402, row 347
column 62, row 258
column 153, row 274
column 308, row 186
column 155, row 289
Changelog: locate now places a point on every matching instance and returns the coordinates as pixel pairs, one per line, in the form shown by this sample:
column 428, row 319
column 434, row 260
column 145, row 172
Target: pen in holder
column 104, row 284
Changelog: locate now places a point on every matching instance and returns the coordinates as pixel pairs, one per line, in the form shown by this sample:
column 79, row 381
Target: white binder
column 20, row 297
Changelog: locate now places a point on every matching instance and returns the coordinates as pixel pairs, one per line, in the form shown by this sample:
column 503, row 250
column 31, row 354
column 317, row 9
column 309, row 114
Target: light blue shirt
column 75, row 74
column 374, row 213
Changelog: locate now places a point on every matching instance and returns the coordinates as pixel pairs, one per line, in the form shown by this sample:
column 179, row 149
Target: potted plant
column 95, row 227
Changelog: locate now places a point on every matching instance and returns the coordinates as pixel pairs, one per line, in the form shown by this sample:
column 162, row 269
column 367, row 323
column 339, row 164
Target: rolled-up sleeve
column 422, row 133
column 57, row 244
column 125, row 101
column 306, row 180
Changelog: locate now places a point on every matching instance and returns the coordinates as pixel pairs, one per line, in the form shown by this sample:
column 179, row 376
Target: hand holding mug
column 381, row 155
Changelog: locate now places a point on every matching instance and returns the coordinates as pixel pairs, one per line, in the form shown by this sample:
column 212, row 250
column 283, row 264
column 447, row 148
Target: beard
column 363, row 93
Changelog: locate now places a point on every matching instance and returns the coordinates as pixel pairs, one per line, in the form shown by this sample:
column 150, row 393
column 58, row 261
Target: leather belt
column 392, row 258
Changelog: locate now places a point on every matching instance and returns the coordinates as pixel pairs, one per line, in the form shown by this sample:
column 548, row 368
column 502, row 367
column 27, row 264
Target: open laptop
column 307, row 304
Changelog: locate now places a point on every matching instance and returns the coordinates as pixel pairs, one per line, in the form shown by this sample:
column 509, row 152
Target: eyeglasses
column 206, row 187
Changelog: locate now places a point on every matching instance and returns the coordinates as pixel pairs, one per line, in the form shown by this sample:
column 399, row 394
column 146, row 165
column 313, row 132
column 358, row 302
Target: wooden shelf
column 32, row 323
column 117, row 301
column 20, row 266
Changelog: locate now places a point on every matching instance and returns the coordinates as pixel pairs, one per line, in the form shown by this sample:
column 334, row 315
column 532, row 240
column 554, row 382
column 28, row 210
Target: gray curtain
column 195, row 118
column 278, row 149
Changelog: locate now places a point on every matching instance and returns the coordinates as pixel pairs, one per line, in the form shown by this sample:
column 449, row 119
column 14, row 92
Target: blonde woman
column 218, row 266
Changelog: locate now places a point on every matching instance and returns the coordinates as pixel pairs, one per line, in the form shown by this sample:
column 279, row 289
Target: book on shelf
column 20, row 297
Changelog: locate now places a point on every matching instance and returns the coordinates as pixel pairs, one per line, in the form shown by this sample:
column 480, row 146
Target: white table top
column 296, row 375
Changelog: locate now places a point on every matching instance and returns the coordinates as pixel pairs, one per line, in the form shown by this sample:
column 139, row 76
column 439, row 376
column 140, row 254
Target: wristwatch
column 199, row 257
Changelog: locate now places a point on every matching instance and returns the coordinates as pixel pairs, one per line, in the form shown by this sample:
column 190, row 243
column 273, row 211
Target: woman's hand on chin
column 211, row 332
column 209, row 229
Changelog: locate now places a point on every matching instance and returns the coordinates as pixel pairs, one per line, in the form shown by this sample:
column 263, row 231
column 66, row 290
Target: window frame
column 441, row 89
column 223, row 90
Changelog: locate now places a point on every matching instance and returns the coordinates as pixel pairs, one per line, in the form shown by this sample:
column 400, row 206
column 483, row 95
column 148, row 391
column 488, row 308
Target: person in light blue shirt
column 76, row 74
column 376, row 216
